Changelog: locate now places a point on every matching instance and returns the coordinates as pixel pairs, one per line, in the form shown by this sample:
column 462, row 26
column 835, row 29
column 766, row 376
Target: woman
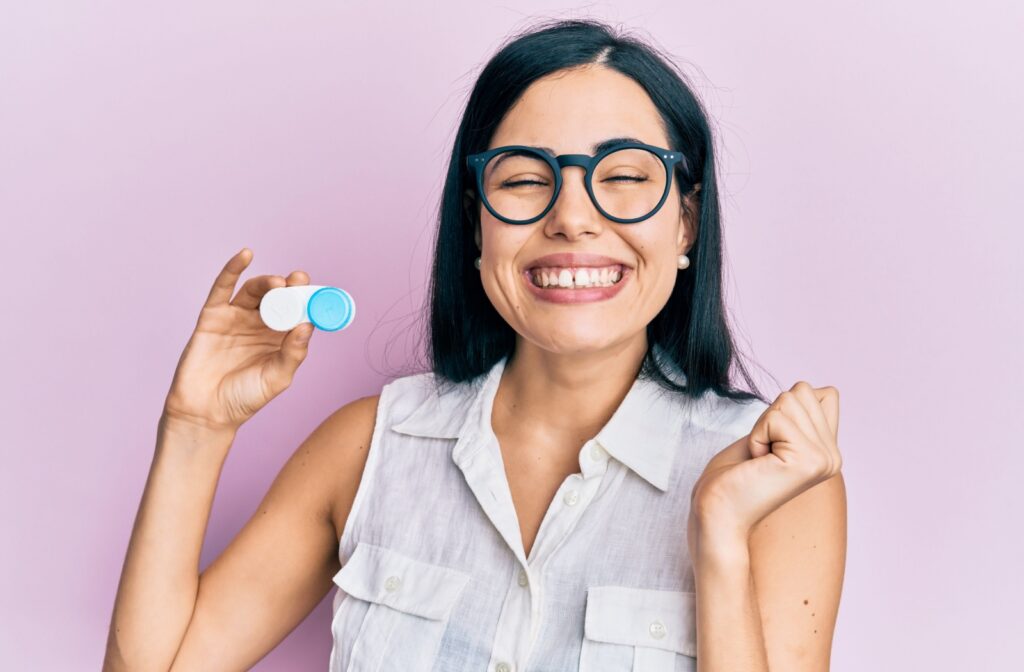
column 575, row 485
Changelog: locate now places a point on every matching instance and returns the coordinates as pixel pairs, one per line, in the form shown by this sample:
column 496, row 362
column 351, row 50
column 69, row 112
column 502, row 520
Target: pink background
column 870, row 164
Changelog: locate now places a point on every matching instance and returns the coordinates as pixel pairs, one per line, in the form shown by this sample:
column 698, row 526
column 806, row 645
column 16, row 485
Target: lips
column 576, row 295
column 576, row 260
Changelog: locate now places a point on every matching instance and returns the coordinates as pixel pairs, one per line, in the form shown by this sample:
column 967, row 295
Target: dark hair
column 467, row 335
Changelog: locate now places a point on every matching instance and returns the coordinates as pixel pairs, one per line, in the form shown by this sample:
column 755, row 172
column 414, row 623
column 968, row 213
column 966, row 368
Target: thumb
column 301, row 334
column 293, row 351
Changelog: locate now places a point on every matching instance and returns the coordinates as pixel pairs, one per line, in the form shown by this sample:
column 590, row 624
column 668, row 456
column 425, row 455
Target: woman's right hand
column 234, row 364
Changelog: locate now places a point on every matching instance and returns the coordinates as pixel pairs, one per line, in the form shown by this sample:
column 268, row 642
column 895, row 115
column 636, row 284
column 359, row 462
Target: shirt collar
column 638, row 434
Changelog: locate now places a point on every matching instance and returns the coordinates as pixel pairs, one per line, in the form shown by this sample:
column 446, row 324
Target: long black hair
column 467, row 335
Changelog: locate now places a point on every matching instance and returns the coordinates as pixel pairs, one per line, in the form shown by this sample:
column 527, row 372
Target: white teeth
column 583, row 277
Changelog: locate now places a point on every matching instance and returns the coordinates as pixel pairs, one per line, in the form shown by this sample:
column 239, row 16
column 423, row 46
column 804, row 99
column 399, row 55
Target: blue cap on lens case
column 331, row 308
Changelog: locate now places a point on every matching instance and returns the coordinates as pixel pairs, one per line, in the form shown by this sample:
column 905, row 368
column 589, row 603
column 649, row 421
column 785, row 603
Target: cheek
column 501, row 247
column 656, row 283
column 502, row 241
column 502, row 252
column 657, row 251
column 659, row 268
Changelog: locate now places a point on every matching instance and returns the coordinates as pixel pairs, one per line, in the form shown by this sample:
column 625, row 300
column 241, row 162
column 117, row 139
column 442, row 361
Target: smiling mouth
column 582, row 277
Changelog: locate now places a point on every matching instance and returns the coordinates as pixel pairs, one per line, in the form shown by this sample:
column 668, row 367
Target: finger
column 285, row 361
column 809, row 400
column 297, row 278
column 775, row 432
column 792, row 406
column 826, row 438
column 828, row 397
column 781, row 480
column 251, row 293
column 224, row 285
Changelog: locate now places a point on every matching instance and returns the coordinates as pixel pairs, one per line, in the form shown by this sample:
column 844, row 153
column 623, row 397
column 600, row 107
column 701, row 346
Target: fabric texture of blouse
column 433, row 571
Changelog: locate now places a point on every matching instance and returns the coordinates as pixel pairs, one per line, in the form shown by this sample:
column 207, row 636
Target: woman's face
column 569, row 112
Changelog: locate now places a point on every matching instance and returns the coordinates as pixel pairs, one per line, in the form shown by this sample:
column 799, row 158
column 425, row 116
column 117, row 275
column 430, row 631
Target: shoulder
column 402, row 396
column 714, row 425
column 341, row 444
column 350, row 427
column 336, row 452
column 743, row 413
column 344, row 438
column 718, row 414
column 348, row 431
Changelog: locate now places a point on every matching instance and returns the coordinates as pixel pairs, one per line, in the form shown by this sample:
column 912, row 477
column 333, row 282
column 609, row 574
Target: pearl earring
column 476, row 262
column 684, row 261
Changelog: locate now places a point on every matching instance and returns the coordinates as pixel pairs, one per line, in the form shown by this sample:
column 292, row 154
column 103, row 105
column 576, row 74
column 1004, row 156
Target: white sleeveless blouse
column 434, row 576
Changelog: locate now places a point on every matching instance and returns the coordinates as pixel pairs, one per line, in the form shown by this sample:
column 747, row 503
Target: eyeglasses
column 519, row 184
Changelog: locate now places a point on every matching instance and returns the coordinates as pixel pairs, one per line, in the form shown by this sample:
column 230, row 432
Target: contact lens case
column 328, row 308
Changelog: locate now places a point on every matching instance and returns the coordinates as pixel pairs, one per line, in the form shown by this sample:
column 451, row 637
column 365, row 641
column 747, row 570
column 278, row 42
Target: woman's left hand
column 791, row 448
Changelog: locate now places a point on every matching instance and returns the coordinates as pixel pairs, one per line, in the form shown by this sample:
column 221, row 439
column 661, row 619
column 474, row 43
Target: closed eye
column 520, row 182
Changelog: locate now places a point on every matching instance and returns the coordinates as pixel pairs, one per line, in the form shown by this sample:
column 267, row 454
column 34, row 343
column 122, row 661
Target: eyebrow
column 597, row 147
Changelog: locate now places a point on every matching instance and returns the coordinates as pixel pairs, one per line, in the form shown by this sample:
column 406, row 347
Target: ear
column 688, row 219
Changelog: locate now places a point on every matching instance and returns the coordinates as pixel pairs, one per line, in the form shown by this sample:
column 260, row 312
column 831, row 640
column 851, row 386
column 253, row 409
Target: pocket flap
column 381, row 575
column 661, row 619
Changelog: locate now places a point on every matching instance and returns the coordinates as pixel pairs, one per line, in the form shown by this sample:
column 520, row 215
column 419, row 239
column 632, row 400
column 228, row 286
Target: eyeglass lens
column 627, row 183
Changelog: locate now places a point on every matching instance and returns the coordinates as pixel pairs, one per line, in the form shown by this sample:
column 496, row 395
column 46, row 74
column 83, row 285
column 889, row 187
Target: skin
column 769, row 509
column 573, row 364
column 169, row 616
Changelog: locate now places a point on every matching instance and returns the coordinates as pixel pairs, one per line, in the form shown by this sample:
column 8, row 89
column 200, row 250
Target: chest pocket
column 638, row 630
column 395, row 611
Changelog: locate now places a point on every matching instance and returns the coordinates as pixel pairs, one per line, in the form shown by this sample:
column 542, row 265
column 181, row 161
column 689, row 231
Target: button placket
column 516, row 618
column 593, row 460
column 521, row 610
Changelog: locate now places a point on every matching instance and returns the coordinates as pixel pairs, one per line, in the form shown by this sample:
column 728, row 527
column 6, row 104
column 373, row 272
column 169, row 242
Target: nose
column 573, row 214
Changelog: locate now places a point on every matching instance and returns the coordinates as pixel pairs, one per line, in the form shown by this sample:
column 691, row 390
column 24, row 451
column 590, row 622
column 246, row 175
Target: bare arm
column 280, row 565
column 798, row 559
column 157, row 590
column 165, row 613
column 771, row 602
column 267, row 580
column 769, row 542
column 729, row 631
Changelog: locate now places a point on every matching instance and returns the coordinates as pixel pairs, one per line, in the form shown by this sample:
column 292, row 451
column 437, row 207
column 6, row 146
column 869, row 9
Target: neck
column 566, row 396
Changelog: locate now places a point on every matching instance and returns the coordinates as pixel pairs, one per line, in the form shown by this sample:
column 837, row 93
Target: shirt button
column 502, row 667
column 523, row 579
column 392, row 583
column 596, row 452
column 571, row 497
column 657, row 630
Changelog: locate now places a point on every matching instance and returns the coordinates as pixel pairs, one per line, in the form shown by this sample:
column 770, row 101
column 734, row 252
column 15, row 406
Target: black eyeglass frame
column 477, row 162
